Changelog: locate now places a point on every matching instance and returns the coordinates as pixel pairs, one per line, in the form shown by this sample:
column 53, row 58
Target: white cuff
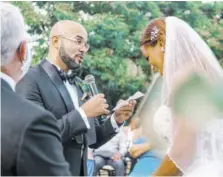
column 114, row 124
column 84, row 117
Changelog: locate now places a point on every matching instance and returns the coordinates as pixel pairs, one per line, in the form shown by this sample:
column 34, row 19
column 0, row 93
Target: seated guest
column 145, row 161
column 112, row 153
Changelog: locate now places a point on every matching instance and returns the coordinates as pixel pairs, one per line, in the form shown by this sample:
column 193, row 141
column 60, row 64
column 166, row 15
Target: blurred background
column 114, row 30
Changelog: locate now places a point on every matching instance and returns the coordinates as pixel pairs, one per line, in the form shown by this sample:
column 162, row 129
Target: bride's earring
column 154, row 69
column 162, row 49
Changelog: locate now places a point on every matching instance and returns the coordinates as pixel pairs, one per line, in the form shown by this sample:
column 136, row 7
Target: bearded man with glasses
column 51, row 85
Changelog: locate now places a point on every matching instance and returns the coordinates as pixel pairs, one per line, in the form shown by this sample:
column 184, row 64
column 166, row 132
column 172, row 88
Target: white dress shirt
column 72, row 90
column 9, row 80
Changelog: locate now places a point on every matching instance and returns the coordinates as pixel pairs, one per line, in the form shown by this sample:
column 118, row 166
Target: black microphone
column 90, row 81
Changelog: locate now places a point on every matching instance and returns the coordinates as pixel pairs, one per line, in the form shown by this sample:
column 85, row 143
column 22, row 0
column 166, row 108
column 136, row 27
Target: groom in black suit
column 51, row 85
column 30, row 138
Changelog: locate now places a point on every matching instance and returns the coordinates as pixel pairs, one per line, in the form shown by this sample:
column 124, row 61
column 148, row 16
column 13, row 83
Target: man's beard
column 69, row 61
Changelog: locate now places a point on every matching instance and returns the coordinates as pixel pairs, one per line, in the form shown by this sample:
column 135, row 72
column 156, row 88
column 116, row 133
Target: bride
column 169, row 45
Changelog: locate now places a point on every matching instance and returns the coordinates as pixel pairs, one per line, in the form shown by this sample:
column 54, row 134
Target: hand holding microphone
column 97, row 104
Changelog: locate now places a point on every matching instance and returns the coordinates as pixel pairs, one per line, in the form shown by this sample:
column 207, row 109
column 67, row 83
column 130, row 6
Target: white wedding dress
column 209, row 152
column 163, row 125
column 208, row 158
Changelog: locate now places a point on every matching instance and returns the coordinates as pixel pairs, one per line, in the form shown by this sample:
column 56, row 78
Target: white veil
column 184, row 47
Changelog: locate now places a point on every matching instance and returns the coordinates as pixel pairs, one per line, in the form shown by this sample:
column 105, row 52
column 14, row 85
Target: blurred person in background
column 142, row 156
column 196, row 105
column 112, row 153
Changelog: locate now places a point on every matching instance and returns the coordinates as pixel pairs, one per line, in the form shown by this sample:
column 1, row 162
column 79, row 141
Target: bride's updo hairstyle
column 155, row 31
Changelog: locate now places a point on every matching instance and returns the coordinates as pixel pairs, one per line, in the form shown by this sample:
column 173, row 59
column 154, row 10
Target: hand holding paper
column 126, row 102
column 124, row 108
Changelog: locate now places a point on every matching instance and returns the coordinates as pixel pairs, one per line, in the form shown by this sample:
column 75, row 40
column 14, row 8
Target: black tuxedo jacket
column 43, row 85
column 30, row 138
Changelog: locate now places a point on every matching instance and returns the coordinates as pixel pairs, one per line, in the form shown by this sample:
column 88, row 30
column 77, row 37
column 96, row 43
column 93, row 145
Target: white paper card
column 135, row 96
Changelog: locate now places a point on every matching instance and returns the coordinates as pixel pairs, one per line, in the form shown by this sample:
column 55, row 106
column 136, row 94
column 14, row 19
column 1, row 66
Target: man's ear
column 55, row 42
column 21, row 51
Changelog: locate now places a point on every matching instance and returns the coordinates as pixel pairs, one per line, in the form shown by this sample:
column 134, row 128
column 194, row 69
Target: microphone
column 90, row 81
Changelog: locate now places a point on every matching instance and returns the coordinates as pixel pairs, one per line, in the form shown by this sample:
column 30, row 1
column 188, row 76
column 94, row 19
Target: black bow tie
column 68, row 77
column 71, row 77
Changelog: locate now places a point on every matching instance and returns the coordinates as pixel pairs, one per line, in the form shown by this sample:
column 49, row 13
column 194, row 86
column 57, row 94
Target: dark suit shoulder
column 30, row 85
column 18, row 115
column 20, row 109
column 32, row 75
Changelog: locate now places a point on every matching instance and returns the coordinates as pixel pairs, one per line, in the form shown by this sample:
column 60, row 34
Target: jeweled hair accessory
column 154, row 33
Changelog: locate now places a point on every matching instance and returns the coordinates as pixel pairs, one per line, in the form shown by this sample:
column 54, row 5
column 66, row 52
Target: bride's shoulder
column 163, row 112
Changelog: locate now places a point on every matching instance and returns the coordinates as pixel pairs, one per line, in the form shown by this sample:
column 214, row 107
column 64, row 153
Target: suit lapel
column 6, row 85
column 57, row 81
column 80, row 94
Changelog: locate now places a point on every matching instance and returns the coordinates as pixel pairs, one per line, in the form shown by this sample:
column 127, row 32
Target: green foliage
column 114, row 30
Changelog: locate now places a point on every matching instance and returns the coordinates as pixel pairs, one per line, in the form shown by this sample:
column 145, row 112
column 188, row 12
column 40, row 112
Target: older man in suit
column 30, row 138
column 51, row 85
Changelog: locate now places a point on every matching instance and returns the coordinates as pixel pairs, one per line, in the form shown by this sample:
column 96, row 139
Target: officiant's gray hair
column 13, row 31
